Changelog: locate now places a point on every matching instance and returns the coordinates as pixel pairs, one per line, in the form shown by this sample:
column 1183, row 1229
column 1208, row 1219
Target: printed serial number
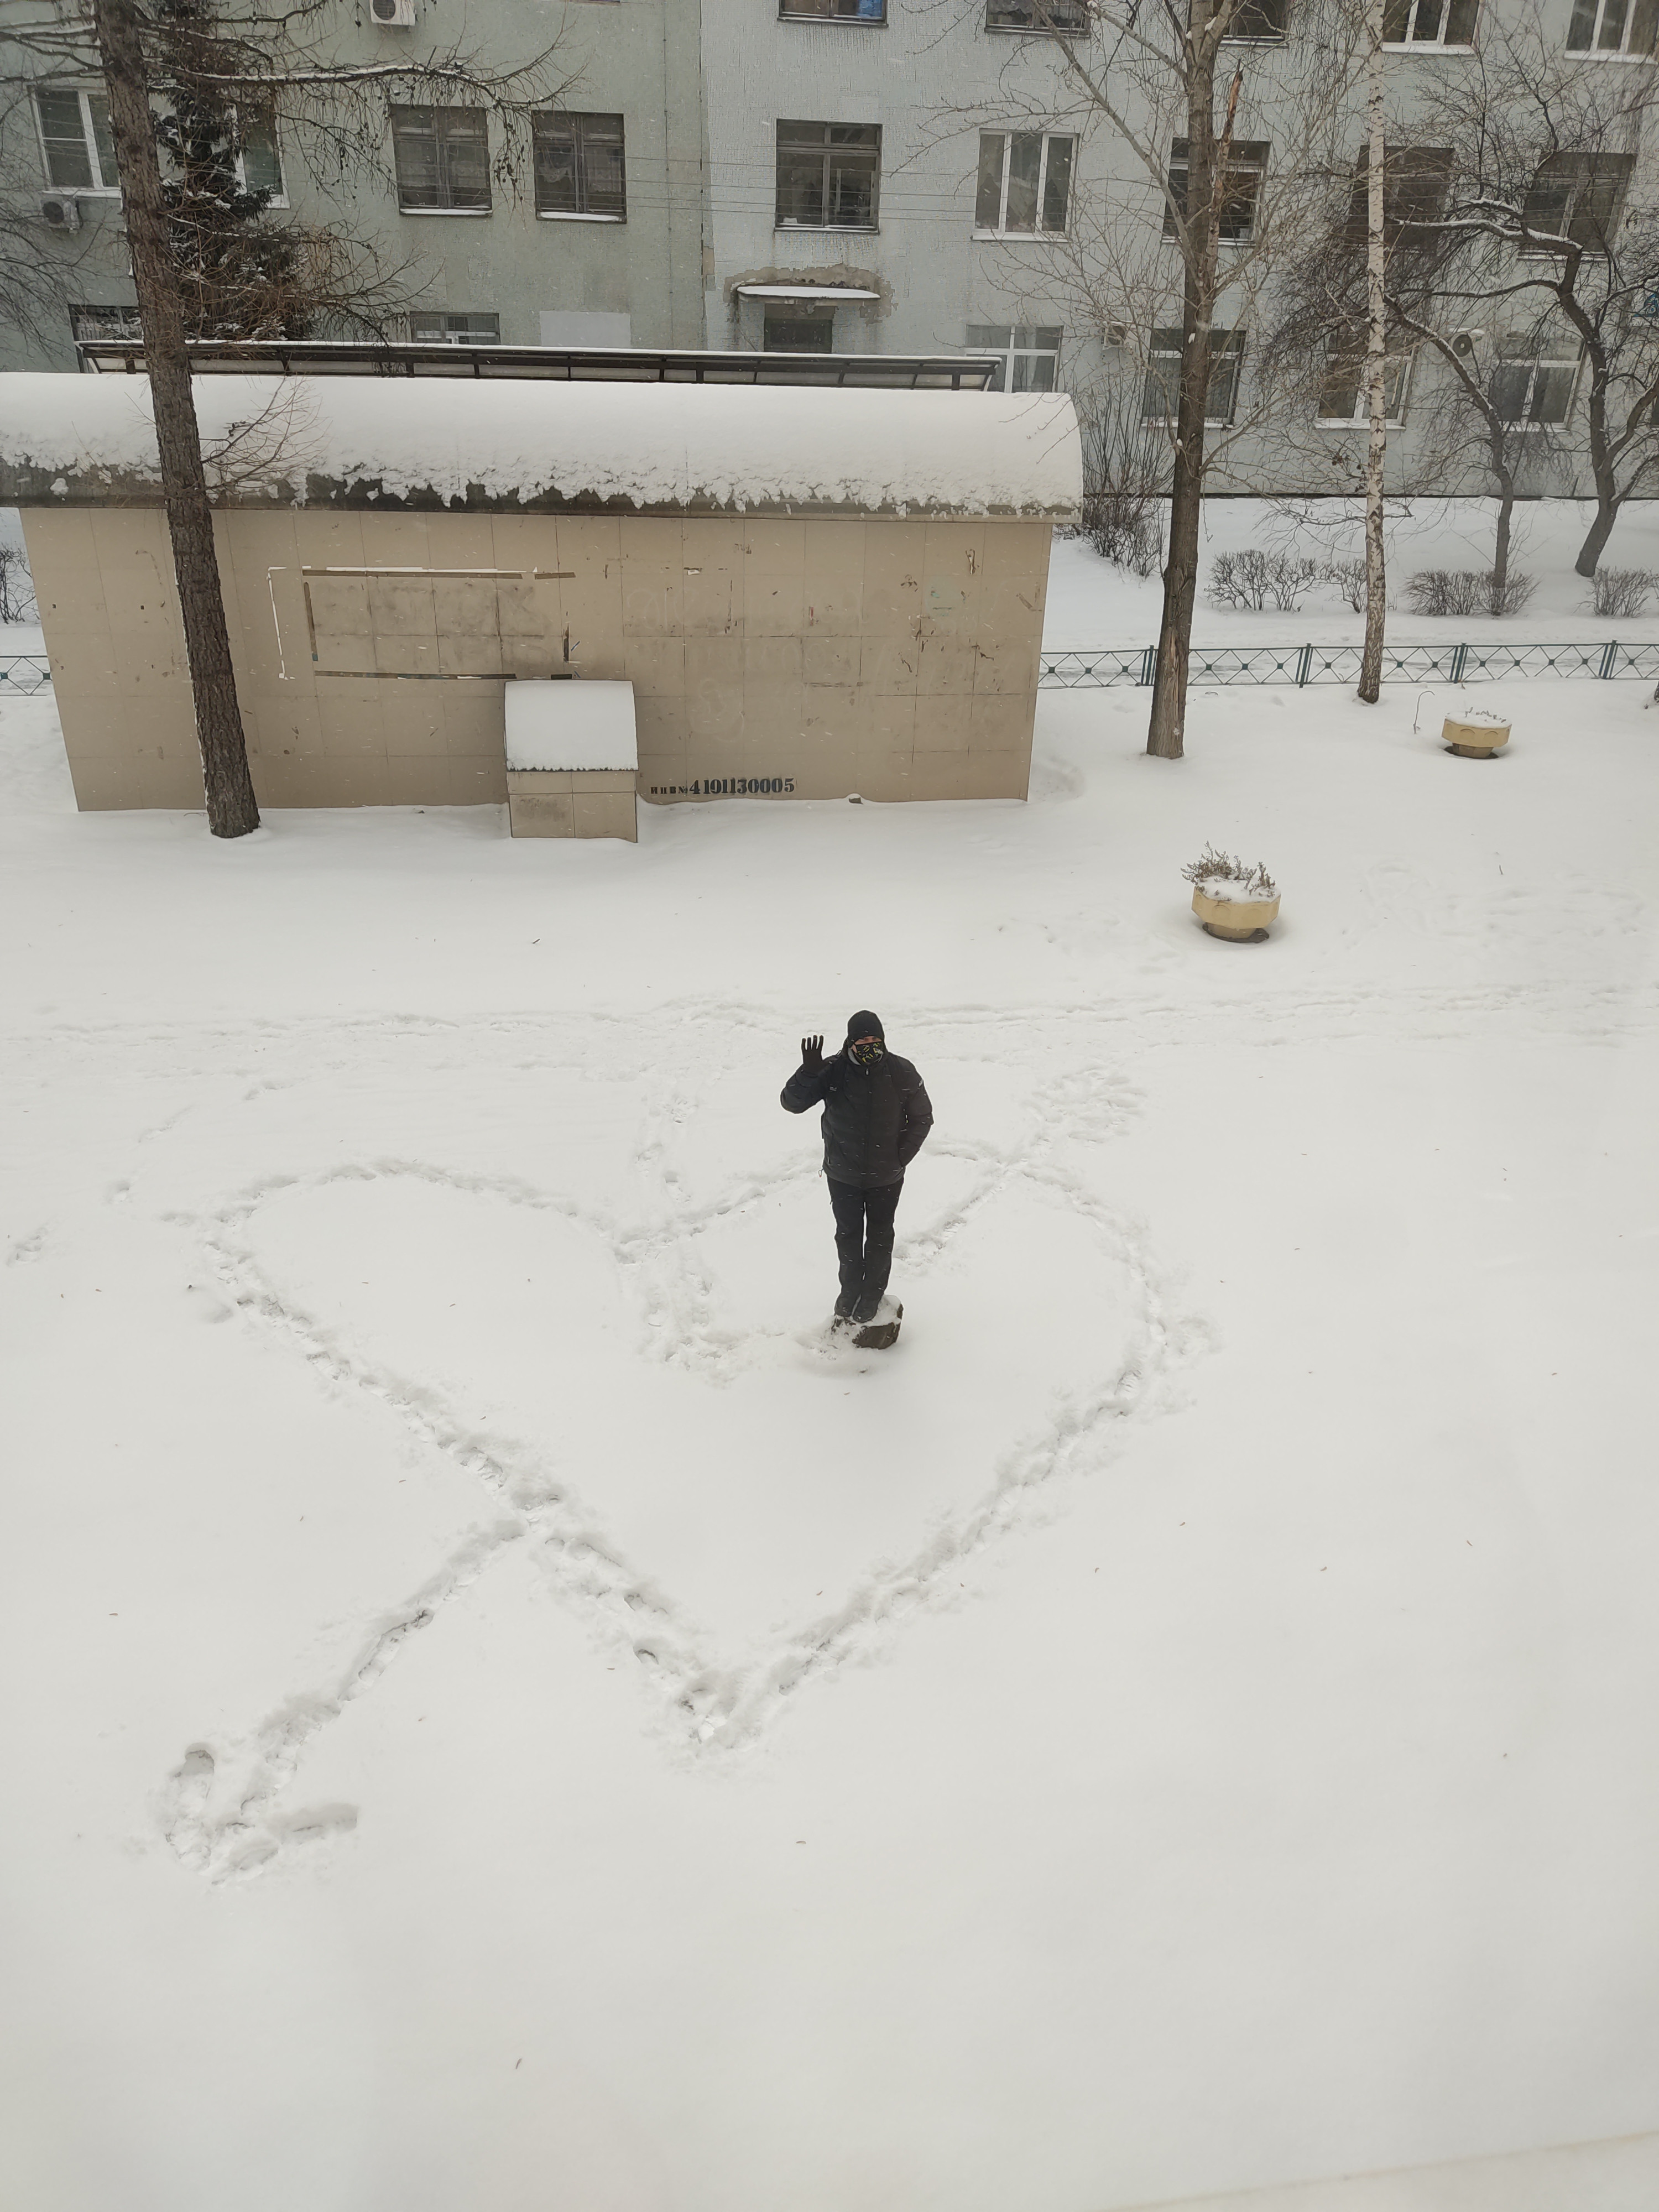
column 724, row 787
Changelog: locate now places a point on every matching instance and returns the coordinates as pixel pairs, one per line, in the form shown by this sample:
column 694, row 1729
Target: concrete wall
column 898, row 659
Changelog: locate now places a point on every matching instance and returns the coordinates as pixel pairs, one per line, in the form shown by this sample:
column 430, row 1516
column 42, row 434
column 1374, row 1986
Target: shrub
column 1252, row 577
column 1121, row 531
column 1348, row 577
column 1621, row 590
column 1211, row 867
column 1468, row 592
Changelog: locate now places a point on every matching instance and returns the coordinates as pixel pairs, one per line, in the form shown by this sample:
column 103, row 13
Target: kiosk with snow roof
column 812, row 590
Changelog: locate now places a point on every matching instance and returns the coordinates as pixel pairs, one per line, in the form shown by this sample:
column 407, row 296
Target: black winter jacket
column 875, row 1120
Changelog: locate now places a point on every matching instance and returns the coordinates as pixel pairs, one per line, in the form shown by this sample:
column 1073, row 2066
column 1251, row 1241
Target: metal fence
column 1340, row 664
column 24, row 671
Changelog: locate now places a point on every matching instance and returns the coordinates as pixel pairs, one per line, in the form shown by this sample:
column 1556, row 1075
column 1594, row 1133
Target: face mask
column 869, row 1052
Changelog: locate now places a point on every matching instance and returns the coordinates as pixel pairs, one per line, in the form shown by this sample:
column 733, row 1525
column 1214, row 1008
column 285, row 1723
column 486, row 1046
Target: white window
column 80, row 153
column 1429, row 23
column 1531, row 389
column 259, row 161
column 455, row 329
column 1025, row 184
column 1343, row 399
column 1241, row 188
column 1029, row 355
column 1162, row 397
column 1613, row 26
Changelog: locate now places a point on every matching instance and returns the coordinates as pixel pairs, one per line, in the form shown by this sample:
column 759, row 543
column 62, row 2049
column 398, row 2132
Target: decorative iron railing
column 1340, row 664
column 24, row 671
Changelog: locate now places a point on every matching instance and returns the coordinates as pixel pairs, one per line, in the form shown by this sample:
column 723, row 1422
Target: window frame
column 1440, row 44
column 436, row 110
column 1078, row 29
column 1232, row 347
column 797, row 149
column 84, row 95
column 1013, row 351
column 1394, row 418
column 1539, row 361
column 1231, row 38
column 279, row 197
column 579, row 116
column 1235, row 167
column 1586, row 179
column 1040, row 229
column 1624, row 51
column 453, row 315
column 854, row 16
column 132, row 335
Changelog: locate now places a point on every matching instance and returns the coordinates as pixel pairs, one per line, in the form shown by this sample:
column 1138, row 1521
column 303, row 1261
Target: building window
column 75, row 139
column 580, row 168
column 798, row 332
column 829, row 175
column 833, row 11
column 258, row 160
column 120, row 323
column 1258, row 22
column 1162, row 397
column 442, row 155
column 1531, row 390
column 1613, row 26
column 1030, row 357
column 1415, row 179
column 1577, row 196
column 1025, row 183
column 455, row 329
column 1429, row 23
column 1040, row 19
column 1343, row 397
column 1240, row 187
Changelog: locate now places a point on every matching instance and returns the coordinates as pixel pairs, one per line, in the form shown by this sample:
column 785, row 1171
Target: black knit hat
column 864, row 1024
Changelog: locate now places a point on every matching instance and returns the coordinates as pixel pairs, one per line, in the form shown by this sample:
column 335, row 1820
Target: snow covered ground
column 1181, row 1722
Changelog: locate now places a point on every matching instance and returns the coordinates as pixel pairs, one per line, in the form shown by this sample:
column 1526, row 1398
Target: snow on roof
column 582, row 447
column 565, row 722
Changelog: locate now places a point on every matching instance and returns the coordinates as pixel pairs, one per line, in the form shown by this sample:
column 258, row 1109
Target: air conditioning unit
column 393, row 14
column 60, row 210
column 1117, row 334
column 1469, row 344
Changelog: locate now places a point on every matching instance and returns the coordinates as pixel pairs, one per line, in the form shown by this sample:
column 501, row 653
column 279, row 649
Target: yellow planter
column 1237, row 919
column 1474, row 738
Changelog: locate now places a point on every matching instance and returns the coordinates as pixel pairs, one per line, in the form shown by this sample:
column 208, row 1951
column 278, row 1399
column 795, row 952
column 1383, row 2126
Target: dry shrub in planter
column 1230, row 899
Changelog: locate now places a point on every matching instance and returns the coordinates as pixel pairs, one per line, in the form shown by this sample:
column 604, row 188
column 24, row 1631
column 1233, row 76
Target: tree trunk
column 1500, row 557
column 1377, row 358
column 1607, row 514
column 1167, row 729
column 232, row 809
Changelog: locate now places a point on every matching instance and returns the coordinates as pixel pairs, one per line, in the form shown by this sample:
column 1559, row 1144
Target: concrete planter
column 1242, row 921
column 1477, row 735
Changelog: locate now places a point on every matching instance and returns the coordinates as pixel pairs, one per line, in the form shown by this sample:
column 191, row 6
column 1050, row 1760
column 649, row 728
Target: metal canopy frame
column 561, row 364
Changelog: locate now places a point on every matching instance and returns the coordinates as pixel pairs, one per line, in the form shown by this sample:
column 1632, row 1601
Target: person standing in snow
column 876, row 1120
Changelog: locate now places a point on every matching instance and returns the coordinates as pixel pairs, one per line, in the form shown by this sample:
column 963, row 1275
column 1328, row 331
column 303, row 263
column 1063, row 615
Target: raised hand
column 811, row 1052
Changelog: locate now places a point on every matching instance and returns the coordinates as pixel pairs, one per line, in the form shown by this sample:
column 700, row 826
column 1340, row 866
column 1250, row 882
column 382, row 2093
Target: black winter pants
column 864, row 1241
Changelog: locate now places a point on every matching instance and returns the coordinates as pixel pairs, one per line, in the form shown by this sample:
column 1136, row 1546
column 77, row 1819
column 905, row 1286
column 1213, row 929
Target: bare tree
column 294, row 66
column 1376, row 355
column 1225, row 142
column 1551, row 224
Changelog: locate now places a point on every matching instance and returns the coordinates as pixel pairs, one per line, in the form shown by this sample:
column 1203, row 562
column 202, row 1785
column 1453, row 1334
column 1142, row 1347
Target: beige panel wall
column 894, row 659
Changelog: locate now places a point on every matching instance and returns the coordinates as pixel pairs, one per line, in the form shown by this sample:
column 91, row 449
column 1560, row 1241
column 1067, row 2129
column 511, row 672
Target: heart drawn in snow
column 738, row 1505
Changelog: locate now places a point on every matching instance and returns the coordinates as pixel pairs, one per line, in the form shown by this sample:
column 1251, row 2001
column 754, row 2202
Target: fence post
column 1148, row 666
column 1303, row 665
column 1460, row 654
column 1608, row 659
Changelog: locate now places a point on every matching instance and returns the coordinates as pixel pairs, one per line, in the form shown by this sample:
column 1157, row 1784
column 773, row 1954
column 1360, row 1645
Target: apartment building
column 600, row 242
column 881, row 176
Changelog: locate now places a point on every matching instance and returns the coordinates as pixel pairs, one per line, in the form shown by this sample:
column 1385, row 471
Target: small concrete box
column 572, row 759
